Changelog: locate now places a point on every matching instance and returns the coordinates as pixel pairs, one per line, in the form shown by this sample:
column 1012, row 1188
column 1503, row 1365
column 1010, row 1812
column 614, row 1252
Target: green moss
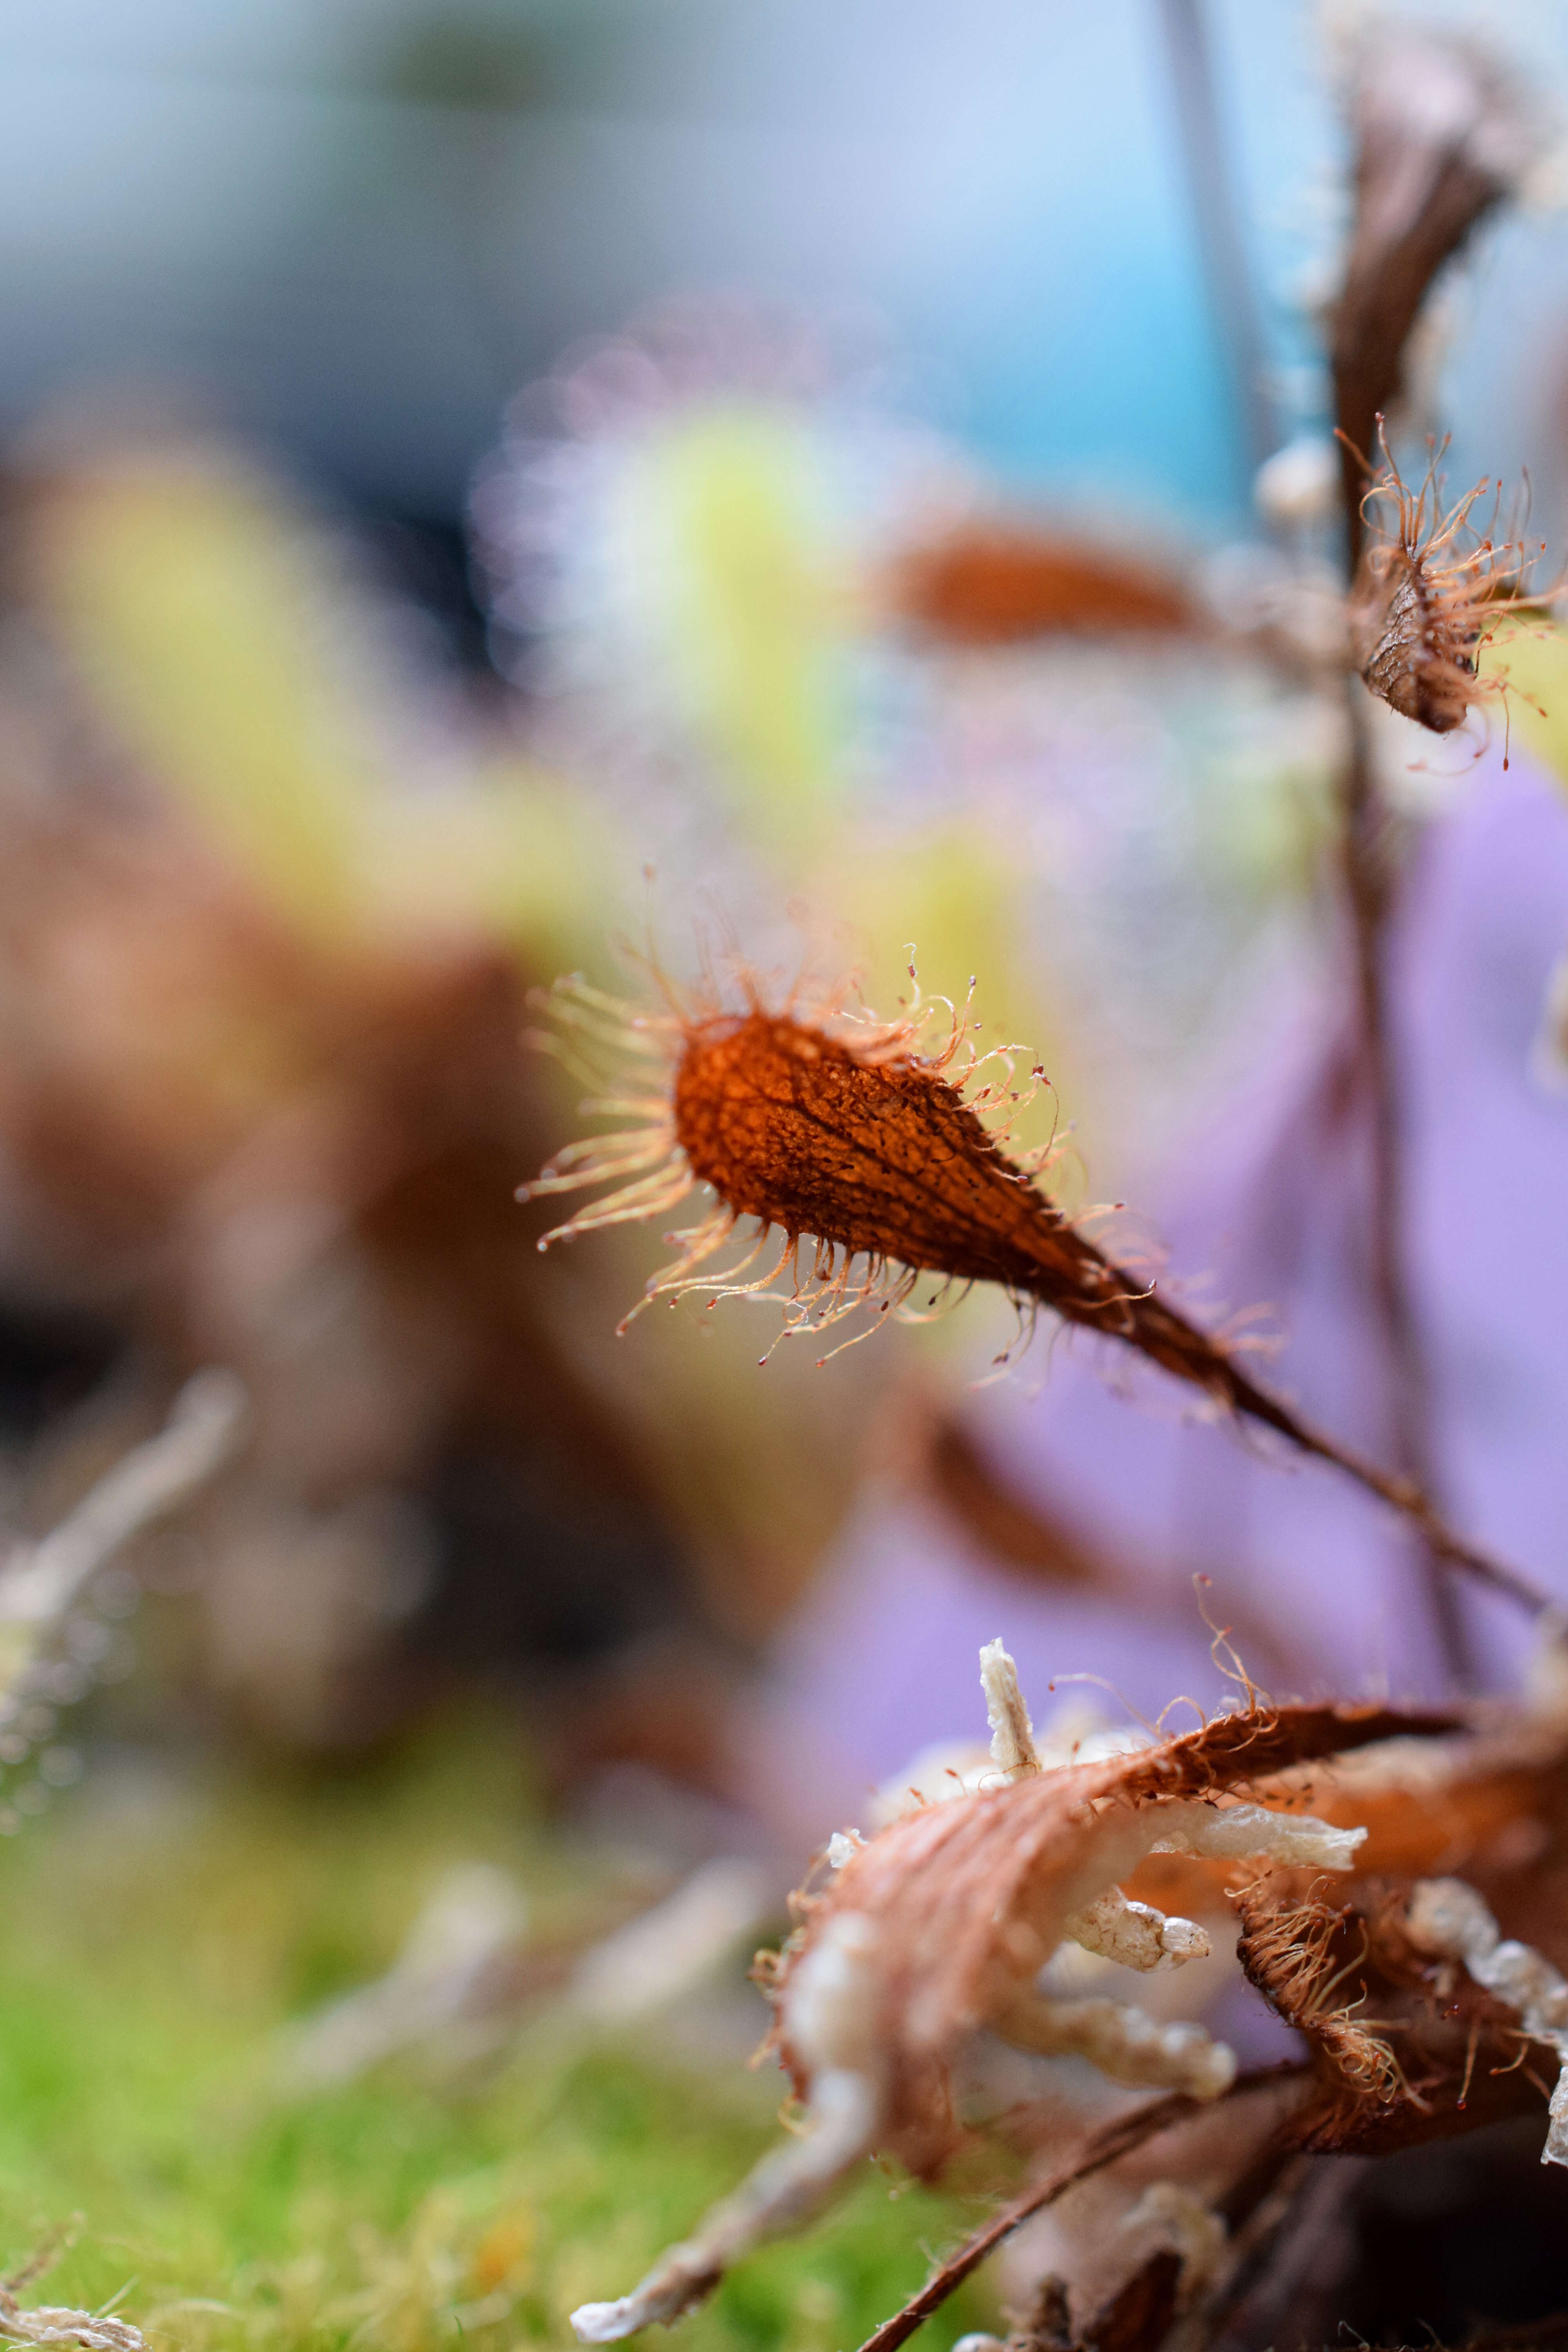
column 158, row 1935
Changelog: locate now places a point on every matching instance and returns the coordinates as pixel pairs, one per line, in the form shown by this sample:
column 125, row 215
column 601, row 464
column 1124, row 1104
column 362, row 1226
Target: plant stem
column 1117, row 2139
column 1368, row 875
column 1403, row 1493
column 1171, row 1339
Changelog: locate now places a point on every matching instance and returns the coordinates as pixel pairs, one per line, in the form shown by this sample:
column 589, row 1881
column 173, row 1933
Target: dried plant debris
column 1171, row 2241
column 1292, row 1951
column 885, row 1164
column 1430, row 583
column 52, row 2323
column 1118, row 2208
column 42, row 1582
column 59, row 2322
column 936, row 1930
column 1400, row 1886
column 460, row 1975
column 1407, row 2046
column 1450, row 1920
column 1426, row 2016
column 470, row 1971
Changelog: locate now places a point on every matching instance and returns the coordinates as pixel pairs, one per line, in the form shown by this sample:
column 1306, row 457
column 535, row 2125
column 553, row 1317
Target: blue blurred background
column 353, row 230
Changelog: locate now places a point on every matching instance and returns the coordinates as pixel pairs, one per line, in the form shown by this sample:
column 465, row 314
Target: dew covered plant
column 866, row 1164
column 1389, row 1882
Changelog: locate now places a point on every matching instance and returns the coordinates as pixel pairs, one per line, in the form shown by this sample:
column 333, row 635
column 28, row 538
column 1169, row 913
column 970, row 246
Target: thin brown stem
column 1117, row 2139
column 1402, row 1495
column 1368, row 874
column 1440, row 138
column 1179, row 1347
column 1287, row 2247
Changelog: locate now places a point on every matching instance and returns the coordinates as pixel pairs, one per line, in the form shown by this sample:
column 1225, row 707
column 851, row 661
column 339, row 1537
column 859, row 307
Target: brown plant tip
column 1429, row 586
column 1441, row 137
column 837, row 1131
column 882, row 1159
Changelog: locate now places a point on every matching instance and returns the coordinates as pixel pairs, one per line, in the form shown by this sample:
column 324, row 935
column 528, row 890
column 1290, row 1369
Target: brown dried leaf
column 1138, row 2316
column 1408, row 2047
column 940, row 1923
column 1441, row 137
column 965, row 1901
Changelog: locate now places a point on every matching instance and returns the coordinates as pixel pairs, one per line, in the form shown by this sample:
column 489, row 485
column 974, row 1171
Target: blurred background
column 777, row 481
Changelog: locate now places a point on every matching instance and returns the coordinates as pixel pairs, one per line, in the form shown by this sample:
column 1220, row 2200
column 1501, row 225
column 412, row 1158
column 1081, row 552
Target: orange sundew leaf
column 843, row 1138
column 998, row 583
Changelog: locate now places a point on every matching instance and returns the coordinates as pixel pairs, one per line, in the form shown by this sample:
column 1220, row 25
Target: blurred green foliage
column 158, row 1936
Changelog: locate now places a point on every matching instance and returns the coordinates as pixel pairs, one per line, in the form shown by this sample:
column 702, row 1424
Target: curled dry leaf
column 1441, row 137
column 1433, row 2002
column 939, row 1926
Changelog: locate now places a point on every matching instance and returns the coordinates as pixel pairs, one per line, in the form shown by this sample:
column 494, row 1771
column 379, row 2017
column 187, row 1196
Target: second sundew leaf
column 726, row 506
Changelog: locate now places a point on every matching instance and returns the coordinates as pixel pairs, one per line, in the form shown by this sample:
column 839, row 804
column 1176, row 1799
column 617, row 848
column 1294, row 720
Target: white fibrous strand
column 1239, row 1832
column 836, row 2022
column 1013, row 1750
column 670, row 1950
column 1135, row 1933
column 41, row 1583
column 1450, row 1920
column 1125, row 2044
